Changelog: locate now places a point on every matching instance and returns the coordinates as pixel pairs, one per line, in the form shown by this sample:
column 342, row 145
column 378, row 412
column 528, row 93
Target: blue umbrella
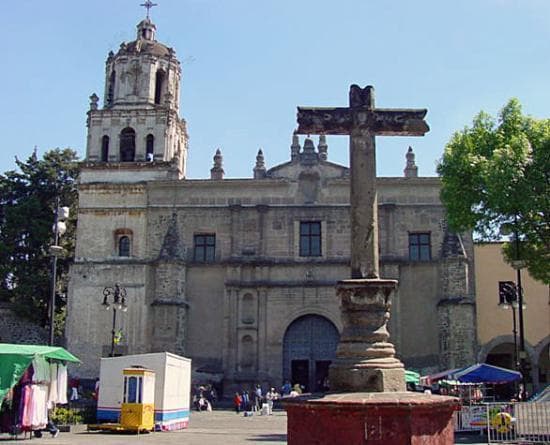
column 484, row 373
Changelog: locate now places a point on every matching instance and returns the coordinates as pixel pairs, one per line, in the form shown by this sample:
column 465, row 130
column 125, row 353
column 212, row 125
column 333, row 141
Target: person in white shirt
column 270, row 397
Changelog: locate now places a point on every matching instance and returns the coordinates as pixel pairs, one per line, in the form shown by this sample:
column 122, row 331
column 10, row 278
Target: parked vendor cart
column 171, row 390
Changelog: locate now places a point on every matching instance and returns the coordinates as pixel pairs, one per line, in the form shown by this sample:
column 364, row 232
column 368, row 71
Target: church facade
column 239, row 274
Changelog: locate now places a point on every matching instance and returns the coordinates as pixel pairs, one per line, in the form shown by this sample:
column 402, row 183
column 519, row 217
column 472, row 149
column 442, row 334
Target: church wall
column 126, row 173
column 250, row 232
column 418, row 285
column 88, row 329
column 205, row 293
column 99, row 227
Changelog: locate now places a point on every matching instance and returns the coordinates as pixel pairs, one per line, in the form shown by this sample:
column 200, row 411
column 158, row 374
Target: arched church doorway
column 309, row 346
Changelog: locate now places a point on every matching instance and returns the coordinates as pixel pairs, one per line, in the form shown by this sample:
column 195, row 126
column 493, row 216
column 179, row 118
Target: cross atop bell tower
column 148, row 5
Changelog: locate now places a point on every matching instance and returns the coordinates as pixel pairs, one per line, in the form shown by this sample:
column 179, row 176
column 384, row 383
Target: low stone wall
column 14, row 329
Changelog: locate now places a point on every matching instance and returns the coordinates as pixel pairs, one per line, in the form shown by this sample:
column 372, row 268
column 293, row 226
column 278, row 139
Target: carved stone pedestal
column 365, row 359
column 398, row 418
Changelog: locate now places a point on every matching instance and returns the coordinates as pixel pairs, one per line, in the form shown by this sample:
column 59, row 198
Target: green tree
column 496, row 178
column 27, row 202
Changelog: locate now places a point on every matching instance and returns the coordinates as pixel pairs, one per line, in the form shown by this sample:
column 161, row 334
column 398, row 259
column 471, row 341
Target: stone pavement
column 217, row 427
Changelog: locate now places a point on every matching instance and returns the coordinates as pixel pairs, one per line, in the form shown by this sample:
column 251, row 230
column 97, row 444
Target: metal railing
column 518, row 422
column 506, row 422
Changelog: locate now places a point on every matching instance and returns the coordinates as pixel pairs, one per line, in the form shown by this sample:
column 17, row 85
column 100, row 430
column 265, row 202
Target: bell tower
column 138, row 127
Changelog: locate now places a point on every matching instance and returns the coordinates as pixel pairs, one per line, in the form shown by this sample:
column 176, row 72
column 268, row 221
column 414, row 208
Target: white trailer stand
column 172, row 388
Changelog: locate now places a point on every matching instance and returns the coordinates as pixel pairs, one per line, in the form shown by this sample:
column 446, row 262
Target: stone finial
column 94, row 99
column 309, row 146
column 323, row 148
column 308, row 156
column 295, row 147
column 217, row 172
column 259, row 169
column 411, row 170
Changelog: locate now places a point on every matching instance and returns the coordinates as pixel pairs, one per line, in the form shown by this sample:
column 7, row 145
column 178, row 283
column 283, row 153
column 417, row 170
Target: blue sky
column 248, row 64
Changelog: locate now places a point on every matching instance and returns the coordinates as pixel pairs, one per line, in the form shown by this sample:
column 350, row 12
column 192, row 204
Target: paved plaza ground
column 217, row 427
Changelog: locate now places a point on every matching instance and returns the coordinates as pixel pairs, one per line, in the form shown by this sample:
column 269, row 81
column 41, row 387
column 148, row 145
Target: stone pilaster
column 169, row 306
column 456, row 307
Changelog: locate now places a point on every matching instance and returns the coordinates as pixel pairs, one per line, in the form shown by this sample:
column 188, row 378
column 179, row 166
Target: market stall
column 33, row 379
column 473, row 384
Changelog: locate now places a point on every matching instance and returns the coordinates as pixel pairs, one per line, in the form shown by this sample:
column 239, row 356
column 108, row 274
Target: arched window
column 111, row 90
column 124, row 246
column 150, row 147
column 127, row 145
column 105, row 149
column 159, row 83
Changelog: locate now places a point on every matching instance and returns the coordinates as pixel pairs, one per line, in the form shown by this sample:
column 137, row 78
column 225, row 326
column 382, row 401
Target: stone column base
column 348, row 379
column 399, row 418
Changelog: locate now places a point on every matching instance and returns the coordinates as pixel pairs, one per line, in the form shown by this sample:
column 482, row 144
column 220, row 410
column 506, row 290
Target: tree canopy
column 27, row 207
column 496, row 179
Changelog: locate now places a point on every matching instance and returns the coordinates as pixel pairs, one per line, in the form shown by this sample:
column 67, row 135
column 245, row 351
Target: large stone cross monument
column 365, row 359
column 368, row 404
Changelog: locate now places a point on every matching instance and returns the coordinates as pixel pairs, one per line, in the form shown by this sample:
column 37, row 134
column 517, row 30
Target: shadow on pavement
column 470, row 438
column 269, row 438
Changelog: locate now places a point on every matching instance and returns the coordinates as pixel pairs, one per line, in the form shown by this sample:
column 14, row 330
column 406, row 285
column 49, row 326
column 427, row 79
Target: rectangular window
column 419, row 247
column 205, row 248
column 310, row 238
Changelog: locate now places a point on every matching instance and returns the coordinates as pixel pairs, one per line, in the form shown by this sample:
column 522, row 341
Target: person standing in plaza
column 271, row 396
column 245, row 401
column 237, row 401
column 258, row 397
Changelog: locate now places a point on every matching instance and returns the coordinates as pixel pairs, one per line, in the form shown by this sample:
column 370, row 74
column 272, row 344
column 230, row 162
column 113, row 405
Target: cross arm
column 394, row 122
column 327, row 120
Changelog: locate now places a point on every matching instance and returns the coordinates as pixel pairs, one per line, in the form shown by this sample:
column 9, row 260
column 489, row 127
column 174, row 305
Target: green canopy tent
column 15, row 359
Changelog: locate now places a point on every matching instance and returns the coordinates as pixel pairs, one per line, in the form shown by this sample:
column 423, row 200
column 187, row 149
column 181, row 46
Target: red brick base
column 405, row 418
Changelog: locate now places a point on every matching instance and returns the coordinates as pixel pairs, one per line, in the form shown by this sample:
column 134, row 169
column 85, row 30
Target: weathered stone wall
column 256, row 223
column 457, row 323
column 14, row 329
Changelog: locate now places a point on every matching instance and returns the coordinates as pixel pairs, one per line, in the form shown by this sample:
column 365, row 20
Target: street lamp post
column 518, row 264
column 119, row 303
column 59, row 228
column 509, row 299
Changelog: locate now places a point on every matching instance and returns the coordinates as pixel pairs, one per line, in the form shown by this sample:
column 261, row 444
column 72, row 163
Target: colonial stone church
column 239, row 274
